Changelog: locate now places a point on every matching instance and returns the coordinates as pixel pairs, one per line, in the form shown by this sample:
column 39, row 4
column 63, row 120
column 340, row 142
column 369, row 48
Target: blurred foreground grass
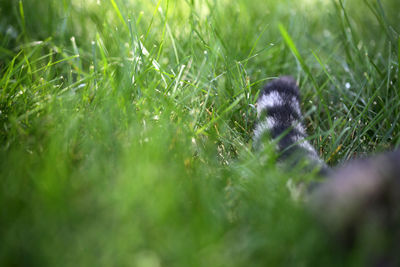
column 125, row 127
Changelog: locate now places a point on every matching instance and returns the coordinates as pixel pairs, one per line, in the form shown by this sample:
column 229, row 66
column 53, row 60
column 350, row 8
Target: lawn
column 126, row 127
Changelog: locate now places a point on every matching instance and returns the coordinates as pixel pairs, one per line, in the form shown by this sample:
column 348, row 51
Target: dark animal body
column 361, row 195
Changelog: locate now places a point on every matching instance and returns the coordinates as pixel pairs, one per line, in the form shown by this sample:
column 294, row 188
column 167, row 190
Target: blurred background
column 126, row 127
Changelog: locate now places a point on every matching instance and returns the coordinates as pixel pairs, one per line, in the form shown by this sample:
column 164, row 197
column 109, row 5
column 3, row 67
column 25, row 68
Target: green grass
column 125, row 126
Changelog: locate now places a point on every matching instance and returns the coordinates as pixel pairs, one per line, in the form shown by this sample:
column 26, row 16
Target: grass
column 125, row 126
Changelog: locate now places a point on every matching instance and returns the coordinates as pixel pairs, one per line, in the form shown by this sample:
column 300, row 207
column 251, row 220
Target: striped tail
column 280, row 118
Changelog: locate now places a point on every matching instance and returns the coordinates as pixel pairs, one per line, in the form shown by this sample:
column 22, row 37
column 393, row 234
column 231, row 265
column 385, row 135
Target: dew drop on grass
column 81, row 86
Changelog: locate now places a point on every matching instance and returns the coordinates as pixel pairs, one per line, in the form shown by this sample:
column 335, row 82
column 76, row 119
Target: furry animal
column 352, row 200
column 280, row 118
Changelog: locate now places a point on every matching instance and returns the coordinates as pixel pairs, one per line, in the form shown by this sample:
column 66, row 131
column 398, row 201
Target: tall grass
column 125, row 126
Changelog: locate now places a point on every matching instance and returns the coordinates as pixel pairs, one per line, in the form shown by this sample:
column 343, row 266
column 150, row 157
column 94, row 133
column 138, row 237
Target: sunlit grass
column 126, row 126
